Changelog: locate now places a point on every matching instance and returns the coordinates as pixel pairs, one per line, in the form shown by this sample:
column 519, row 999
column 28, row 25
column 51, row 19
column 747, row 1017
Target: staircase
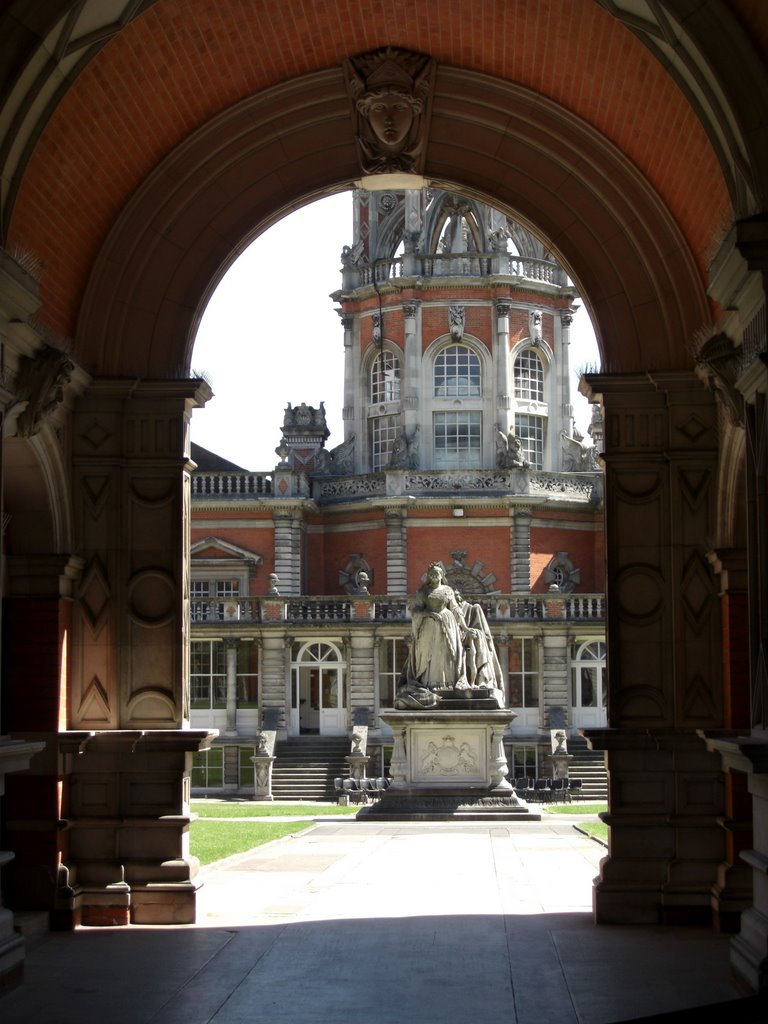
column 305, row 767
column 589, row 766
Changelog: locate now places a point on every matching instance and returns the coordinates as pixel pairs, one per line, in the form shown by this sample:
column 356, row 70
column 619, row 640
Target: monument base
column 449, row 764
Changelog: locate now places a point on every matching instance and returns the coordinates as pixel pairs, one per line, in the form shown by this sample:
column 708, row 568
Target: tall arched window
column 384, row 425
column 385, row 378
column 529, row 376
column 456, row 373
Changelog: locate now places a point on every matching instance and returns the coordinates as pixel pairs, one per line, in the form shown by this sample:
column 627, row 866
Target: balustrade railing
column 498, row 608
column 462, row 264
column 231, row 485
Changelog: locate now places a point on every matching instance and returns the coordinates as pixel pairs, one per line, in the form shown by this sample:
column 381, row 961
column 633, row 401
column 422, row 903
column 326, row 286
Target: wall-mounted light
column 458, row 512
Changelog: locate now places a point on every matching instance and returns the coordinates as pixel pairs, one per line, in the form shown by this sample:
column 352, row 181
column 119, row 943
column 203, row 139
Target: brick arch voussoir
column 499, row 142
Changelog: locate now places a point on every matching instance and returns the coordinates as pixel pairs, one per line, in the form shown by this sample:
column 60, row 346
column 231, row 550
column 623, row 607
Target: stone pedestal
column 263, row 760
column 15, row 756
column 449, row 764
column 127, row 821
column 357, row 765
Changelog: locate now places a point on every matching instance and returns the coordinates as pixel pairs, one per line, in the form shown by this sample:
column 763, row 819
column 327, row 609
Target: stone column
column 663, row 635
column 230, row 647
column 288, row 560
column 564, row 370
column 361, row 672
column 350, row 410
column 38, row 621
column 274, row 684
column 555, row 692
column 502, row 362
column 410, row 385
column 129, row 755
column 521, row 550
column 397, row 551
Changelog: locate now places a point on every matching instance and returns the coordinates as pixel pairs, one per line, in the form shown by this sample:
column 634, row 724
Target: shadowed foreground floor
column 390, row 923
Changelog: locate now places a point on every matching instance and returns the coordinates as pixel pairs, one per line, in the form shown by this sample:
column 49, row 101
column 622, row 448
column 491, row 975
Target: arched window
column 456, row 373
column 529, row 376
column 385, row 378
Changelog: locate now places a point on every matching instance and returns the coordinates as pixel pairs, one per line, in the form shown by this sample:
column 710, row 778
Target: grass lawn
column 598, row 829
column 574, row 808
column 215, row 840
column 251, row 809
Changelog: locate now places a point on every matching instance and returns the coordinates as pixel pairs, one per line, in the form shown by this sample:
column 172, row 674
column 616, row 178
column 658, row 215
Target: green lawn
column 598, row 829
column 574, row 808
column 214, row 840
column 252, row 809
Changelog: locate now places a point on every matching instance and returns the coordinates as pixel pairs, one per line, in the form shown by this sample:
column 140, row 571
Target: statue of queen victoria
column 452, row 654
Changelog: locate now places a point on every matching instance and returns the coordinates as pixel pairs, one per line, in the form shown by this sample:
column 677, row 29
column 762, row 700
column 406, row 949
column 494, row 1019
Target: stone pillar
column 361, row 672
column 555, row 691
column 563, row 357
column 351, row 372
column 131, row 486
column 502, row 362
column 521, row 550
column 230, row 647
column 288, row 562
column 397, row 551
column 38, row 621
column 410, row 385
column 274, row 689
column 663, row 635
column 128, row 755
column 732, row 893
column 15, row 756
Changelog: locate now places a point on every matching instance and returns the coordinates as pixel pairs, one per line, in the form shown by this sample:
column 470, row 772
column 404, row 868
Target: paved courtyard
column 385, row 923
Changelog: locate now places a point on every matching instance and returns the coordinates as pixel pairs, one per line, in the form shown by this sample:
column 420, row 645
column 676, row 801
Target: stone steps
column 304, row 768
column 589, row 766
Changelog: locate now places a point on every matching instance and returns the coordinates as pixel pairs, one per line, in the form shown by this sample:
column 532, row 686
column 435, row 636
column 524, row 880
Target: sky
column 276, row 298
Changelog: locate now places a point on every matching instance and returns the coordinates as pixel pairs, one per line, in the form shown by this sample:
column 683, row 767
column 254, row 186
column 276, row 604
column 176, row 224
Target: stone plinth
column 449, row 764
column 15, row 756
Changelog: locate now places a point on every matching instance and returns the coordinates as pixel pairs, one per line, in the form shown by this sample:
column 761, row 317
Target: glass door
column 589, row 690
column 318, row 691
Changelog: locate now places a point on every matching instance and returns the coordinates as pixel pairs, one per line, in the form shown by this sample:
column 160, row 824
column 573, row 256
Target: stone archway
column 488, row 138
column 500, row 143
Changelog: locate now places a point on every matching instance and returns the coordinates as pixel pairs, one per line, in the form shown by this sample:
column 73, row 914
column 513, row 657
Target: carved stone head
column 390, row 91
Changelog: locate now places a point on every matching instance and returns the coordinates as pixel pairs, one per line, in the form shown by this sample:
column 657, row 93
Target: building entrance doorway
column 589, row 686
column 318, row 691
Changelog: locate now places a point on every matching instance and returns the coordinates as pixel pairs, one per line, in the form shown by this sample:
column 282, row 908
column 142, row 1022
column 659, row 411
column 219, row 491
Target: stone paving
column 385, row 923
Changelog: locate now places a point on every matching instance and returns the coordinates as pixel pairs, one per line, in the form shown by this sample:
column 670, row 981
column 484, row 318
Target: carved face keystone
column 390, row 116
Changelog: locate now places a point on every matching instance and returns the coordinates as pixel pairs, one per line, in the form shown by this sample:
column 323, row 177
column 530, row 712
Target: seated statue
column 452, row 648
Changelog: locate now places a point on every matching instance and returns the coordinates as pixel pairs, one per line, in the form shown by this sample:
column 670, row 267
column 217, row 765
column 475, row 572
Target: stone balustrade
column 465, row 264
column 498, row 608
